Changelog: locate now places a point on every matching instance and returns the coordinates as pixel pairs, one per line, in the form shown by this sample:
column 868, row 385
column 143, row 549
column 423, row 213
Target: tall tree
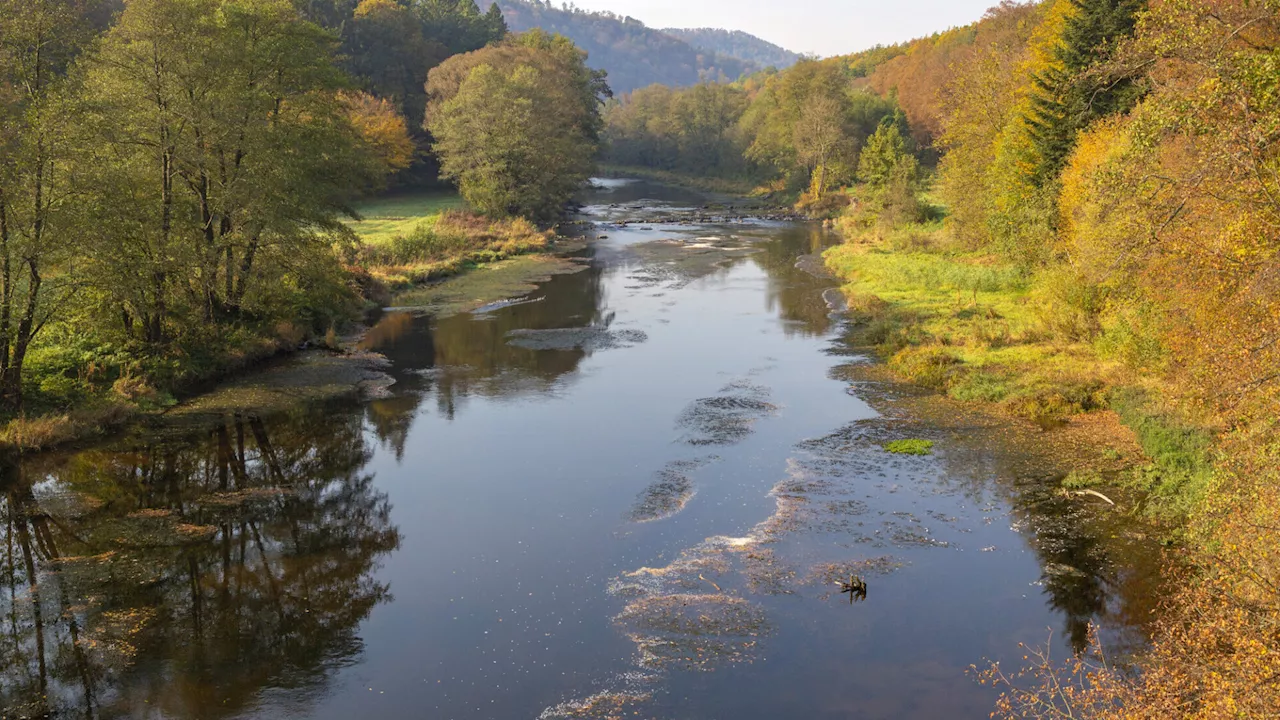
column 38, row 41
column 820, row 134
column 227, row 155
column 517, row 126
column 1077, row 89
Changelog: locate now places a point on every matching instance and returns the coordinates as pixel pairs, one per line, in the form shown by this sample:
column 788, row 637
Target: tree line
column 781, row 126
column 175, row 174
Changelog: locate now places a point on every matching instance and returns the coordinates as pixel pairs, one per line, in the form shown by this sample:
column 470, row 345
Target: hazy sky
column 826, row 27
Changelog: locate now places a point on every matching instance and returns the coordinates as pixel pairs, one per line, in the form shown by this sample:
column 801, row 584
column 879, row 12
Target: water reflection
column 464, row 355
column 793, row 293
column 185, row 574
column 1096, row 567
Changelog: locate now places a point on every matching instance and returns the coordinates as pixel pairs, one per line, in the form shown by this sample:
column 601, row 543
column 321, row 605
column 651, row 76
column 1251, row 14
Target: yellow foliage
column 382, row 127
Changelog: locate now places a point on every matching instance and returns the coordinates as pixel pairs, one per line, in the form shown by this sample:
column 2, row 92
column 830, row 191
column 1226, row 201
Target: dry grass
column 446, row 245
column 28, row 435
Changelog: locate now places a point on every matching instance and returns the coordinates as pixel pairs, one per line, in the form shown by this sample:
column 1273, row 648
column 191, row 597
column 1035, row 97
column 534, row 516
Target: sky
column 824, row 27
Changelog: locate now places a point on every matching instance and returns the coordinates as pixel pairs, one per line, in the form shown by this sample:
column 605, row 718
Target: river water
column 631, row 494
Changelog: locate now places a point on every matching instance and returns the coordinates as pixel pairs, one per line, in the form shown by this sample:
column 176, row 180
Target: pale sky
column 825, row 27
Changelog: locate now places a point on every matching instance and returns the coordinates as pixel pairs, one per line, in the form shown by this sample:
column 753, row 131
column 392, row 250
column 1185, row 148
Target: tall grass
column 447, row 244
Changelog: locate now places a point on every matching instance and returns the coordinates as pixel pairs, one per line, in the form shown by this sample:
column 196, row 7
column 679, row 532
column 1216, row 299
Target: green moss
column 910, row 447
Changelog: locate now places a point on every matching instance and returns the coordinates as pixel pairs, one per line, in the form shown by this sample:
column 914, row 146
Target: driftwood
column 1094, row 493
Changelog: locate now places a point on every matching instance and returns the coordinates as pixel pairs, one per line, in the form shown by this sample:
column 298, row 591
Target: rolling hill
column 738, row 44
column 636, row 55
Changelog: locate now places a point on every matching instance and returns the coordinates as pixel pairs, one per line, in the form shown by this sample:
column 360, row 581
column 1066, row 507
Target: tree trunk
column 6, row 285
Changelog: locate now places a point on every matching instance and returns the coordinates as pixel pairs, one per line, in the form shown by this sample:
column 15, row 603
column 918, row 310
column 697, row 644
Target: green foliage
column 517, row 125
column 803, row 126
column 1181, row 454
column 866, row 62
column 390, row 47
column 693, row 131
column 910, row 447
column 884, row 156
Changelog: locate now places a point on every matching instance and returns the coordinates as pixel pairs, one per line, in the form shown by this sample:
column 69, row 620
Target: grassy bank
column 983, row 330
column 78, row 390
column 411, row 240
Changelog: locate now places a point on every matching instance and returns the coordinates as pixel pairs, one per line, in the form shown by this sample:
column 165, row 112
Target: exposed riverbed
column 630, row 492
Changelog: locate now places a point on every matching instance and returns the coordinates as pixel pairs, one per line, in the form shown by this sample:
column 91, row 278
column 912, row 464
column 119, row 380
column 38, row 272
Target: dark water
column 644, row 517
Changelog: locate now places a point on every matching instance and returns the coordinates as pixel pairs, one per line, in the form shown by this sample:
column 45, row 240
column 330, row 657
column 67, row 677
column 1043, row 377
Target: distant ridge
column 735, row 43
column 637, row 56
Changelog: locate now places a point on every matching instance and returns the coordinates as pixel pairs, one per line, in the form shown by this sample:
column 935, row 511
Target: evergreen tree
column 495, row 23
column 1074, row 92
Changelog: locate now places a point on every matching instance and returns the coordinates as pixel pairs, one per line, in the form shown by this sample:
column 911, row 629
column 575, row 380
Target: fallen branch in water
column 1094, row 493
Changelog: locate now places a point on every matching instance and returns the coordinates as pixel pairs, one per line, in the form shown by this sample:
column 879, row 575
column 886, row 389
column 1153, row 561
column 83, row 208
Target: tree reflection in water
column 188, row 572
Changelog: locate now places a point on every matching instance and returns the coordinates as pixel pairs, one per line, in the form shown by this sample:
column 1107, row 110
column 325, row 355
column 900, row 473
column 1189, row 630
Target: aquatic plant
column 910, row 447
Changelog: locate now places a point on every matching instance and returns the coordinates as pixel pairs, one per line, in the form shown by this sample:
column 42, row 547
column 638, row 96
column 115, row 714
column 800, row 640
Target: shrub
column 929, row 366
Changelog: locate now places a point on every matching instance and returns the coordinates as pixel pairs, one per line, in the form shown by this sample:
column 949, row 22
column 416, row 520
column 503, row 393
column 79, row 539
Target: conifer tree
column 1075, row 92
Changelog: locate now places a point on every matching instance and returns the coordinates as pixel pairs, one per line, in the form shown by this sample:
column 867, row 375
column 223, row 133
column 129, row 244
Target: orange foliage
column 918, row 77
column 382, row 127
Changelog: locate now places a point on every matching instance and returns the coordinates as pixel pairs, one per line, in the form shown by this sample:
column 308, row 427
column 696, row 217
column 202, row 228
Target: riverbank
column 419, row 252
column 986, row 332
column 983, row 331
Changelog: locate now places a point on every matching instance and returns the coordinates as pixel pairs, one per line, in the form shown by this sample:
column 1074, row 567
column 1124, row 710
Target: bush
column 1052, row 402
column 1068, row 305
column 929, row 366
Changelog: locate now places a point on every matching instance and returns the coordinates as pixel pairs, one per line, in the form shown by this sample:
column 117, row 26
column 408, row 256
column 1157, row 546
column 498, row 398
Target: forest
column 635, row 55
column 177, row 179
column 1070, row 206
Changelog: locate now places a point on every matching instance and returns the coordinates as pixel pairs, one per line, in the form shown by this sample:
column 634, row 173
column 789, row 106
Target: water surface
column 630, row 494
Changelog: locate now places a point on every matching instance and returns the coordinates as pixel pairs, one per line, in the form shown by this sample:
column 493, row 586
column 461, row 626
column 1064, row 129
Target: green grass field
column 388, row 218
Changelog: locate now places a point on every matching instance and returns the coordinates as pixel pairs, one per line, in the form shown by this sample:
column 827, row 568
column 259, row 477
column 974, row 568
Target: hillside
column 738, row 44
column 635, row 55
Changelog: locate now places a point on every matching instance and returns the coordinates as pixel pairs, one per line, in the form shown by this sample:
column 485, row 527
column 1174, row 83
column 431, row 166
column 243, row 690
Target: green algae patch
column 486, row 284
column 910, row 447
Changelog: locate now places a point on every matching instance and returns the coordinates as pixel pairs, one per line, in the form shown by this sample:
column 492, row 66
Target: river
column 633, row 493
